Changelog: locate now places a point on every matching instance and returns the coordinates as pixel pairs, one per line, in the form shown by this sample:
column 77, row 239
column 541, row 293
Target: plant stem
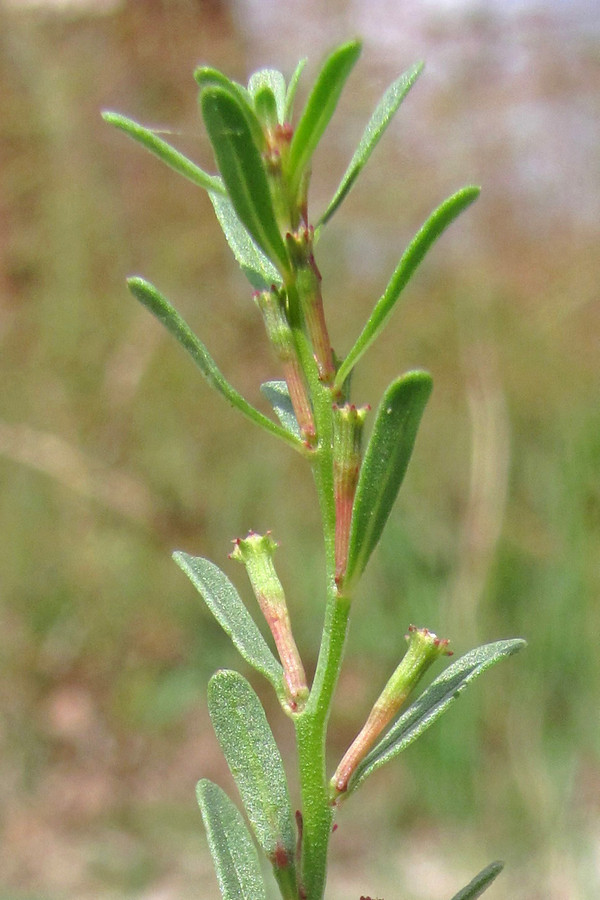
column 317, row 814
column 311, row 732
column 311, row 724
column 288, row 883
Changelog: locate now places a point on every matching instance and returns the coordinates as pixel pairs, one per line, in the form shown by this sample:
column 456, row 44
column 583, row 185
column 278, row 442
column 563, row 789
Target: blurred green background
column 113, row 452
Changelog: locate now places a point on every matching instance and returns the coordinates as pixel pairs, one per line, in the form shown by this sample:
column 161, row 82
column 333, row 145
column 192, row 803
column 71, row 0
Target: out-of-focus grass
column 113, row 453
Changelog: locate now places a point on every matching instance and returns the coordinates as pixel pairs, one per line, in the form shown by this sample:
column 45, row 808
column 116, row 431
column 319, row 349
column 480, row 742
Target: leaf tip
column 419, row 376
column 415, row 71
column 138, row 286
column 473, row 191
column 198, row 76
column 353, row 47
column 201, row 790
column 205, row 75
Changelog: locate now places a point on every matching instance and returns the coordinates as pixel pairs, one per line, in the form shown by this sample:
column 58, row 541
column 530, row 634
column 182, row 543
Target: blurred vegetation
column 113, row 452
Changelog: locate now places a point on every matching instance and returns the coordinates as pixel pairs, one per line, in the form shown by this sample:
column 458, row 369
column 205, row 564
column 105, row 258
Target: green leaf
column 260, row 271
column 233, row 852
column 278, row 396
column 207, row 77
column 228, row 609
column 435, row 225
column 266, row 107
column 319, row 109
column 434, row 701
column 166, row 152
column 241, row 166
column 381, row 118
column 275, row 82
column 160, row 307
column 386, row 459
column 480, row 883
column 253, row 757
column 290, row 96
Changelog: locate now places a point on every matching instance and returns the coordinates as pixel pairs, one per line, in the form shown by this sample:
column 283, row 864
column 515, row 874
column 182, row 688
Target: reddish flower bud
column 256, row 553
column 348, row 422
column 424, row 648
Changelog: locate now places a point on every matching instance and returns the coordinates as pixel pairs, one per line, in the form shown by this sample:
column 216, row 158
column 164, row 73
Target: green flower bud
column 348, row 423
column 256, row 553
column 424, row 647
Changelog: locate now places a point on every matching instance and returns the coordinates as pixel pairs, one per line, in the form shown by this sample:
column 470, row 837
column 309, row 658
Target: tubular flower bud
column 348, row 423
column 278, row 138
column 308, row 285
column 256, row 553
column 281, row 338
column 424, row 648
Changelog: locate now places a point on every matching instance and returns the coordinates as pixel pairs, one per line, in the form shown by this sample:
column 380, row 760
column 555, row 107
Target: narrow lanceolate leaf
column 160, row 307
column 274, row 80
column 386, row 459
column 233, row 852
column 255, row 763
column 319, row 108
column 290, row 95
column 172, row 157
column 434, row 701
column 381, row 118
column 435, row 225
column 278, row 396
column 228, row 609
column 241, row 166
column 260, row 271
column 480, row 883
